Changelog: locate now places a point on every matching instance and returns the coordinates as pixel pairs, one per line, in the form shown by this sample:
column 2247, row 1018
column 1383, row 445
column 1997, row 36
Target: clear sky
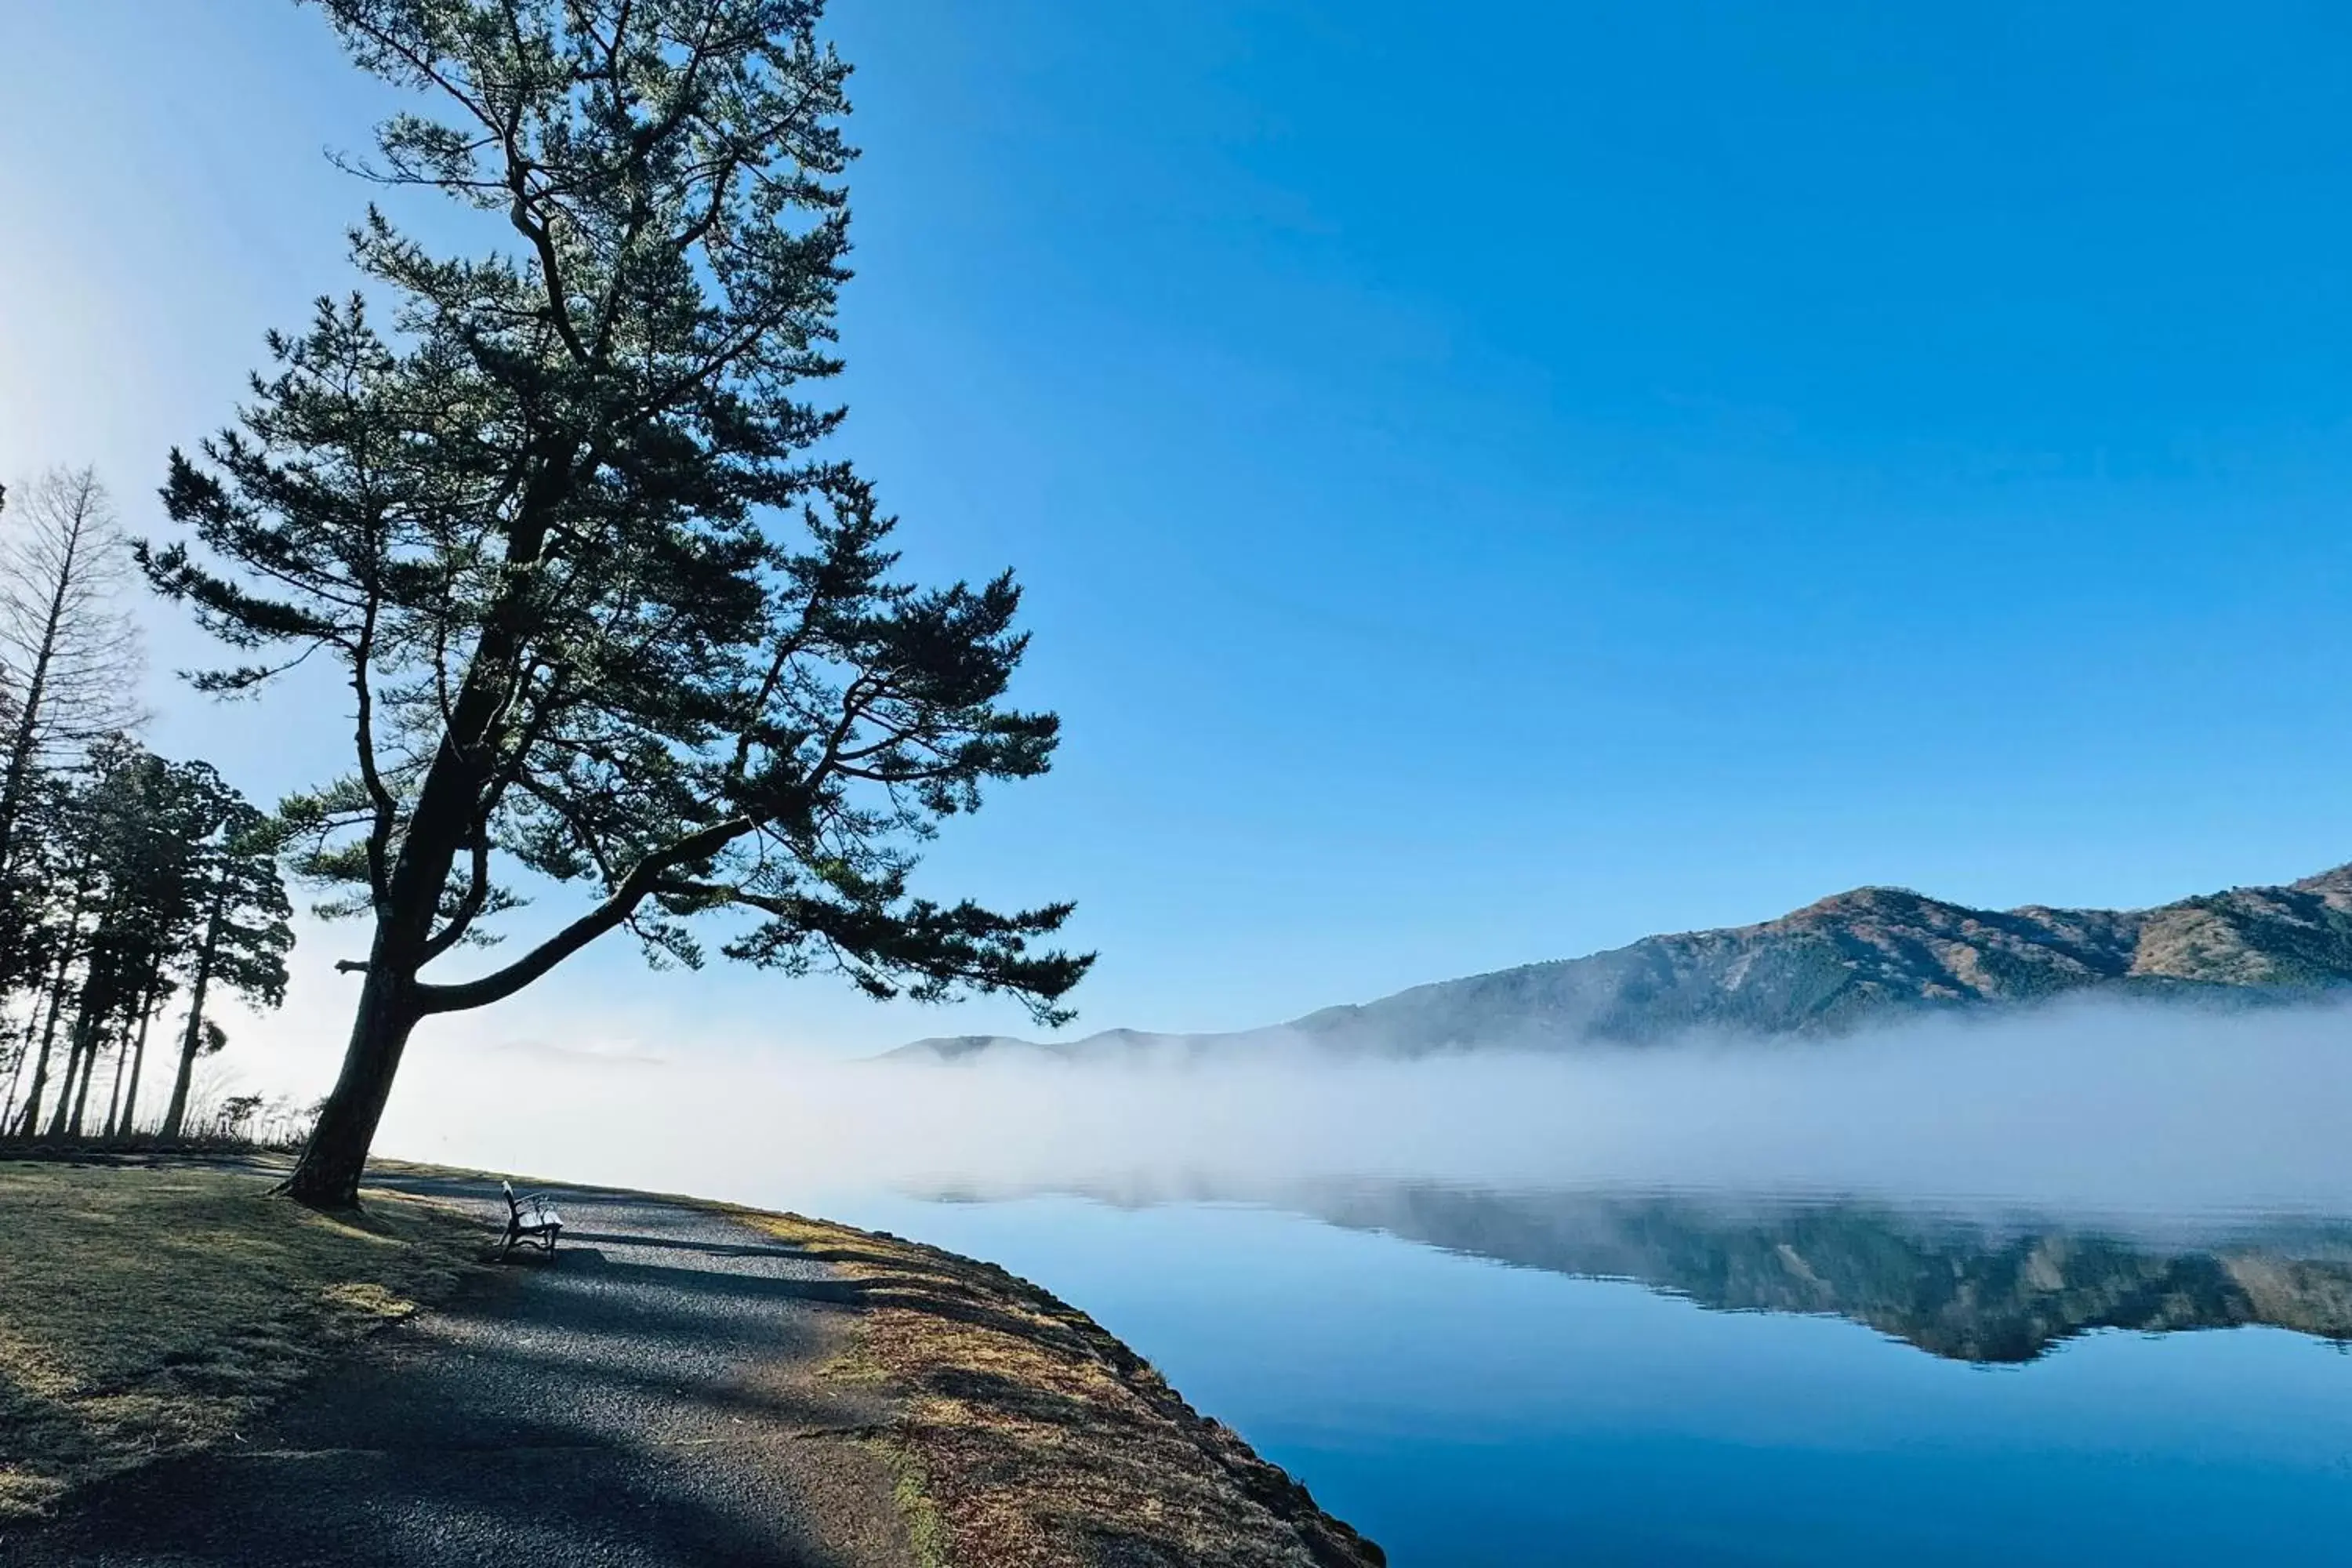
column 1494, row 481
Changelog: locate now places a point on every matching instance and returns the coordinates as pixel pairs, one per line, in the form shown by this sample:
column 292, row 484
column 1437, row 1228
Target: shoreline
column 1014, row 1431
column 1036, row 1433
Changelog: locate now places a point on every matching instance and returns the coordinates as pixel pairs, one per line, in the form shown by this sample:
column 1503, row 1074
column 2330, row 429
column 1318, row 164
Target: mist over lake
column 2057, row 1287
column 2111, row 1107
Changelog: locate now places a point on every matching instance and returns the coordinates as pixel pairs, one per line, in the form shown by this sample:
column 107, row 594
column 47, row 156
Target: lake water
column 1475, row 1377
column 2067, row 1290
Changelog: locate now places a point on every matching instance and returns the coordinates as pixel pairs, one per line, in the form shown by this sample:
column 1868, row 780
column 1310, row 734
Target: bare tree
column 69, row 656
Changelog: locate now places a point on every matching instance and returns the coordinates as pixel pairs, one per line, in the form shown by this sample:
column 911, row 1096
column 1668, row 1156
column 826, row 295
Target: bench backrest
column 514, row 1204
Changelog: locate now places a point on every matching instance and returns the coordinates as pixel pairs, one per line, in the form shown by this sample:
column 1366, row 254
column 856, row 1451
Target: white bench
column 531, row 1219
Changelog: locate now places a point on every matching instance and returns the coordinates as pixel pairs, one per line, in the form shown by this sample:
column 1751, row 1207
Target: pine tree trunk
column 64, row 1112
column 66, row 1122
column 327, row 1176
column 16, row 1070
column 74, row 1093
column 175, row 1114
column 114, row 1091
column 139, row 1060
column 31, row 1123
column 32, row 1119
column 89, row 1055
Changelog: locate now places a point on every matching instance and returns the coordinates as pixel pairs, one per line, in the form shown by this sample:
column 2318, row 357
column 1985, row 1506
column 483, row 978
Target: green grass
column 146, row 1309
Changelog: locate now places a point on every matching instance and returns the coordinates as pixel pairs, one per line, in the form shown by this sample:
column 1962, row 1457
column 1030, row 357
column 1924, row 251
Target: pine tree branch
column 610, row 915
column 478, row 893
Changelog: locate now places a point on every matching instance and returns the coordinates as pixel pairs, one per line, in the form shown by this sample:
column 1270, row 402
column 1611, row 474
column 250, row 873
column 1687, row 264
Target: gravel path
column 648, row 1399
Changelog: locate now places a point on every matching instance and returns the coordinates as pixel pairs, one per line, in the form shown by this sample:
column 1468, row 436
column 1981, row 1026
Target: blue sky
column 1493, row 480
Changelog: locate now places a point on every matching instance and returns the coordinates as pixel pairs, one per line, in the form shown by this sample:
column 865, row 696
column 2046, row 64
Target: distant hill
column 1863, row 956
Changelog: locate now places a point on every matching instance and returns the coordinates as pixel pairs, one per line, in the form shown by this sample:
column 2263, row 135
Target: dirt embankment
column 1032, row 1438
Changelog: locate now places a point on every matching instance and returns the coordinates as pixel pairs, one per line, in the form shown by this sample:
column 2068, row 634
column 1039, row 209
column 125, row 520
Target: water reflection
column 1987, row 1289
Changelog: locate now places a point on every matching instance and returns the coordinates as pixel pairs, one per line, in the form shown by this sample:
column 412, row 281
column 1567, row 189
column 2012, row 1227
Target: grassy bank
column 1032, row 1438
column 146, row 1309
column 155, row 1306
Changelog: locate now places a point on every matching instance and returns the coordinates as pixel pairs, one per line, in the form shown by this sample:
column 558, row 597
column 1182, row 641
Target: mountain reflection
column 1988, row 1291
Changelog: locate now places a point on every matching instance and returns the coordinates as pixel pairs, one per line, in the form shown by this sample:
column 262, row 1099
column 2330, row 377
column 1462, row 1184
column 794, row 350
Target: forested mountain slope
column 1868, row 954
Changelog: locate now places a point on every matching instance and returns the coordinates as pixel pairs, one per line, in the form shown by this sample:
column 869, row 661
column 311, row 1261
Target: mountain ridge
column 1864, row 955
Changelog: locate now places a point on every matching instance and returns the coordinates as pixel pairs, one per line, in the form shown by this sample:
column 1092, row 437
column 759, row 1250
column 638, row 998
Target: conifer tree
column 242, row 936
column 64, row 856
column 112, row 825
column 154, row 873
column 606, row 614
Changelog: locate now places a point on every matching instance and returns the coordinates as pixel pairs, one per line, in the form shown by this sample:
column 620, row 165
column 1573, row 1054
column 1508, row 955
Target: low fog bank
column 2106, row 1109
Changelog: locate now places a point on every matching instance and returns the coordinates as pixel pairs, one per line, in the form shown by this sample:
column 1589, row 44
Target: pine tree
column 242, row 935
column 67, row 868
column 606, row 615
column 108, row 827
column 154, row 871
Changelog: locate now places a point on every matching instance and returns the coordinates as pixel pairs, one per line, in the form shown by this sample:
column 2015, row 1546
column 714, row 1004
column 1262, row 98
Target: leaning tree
column 610, row 611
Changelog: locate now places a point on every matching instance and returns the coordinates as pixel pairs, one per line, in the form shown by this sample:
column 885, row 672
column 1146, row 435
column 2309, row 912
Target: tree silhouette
column 605, row 615
column 245, row 935
column 68, row 657
column 152, row 872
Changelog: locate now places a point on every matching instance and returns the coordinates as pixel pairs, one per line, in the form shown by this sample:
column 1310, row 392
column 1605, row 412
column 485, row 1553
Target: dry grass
column 146, row 1309
column 151, row 1309
column 1034, row 1439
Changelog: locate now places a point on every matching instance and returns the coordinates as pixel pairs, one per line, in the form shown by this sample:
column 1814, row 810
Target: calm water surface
column 1478, row 1378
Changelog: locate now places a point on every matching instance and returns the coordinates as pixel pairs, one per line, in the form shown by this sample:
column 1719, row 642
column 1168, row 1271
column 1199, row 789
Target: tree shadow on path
column 650, row 1400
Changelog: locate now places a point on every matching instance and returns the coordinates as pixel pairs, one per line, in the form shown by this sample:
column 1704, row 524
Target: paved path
column 648, row 1400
